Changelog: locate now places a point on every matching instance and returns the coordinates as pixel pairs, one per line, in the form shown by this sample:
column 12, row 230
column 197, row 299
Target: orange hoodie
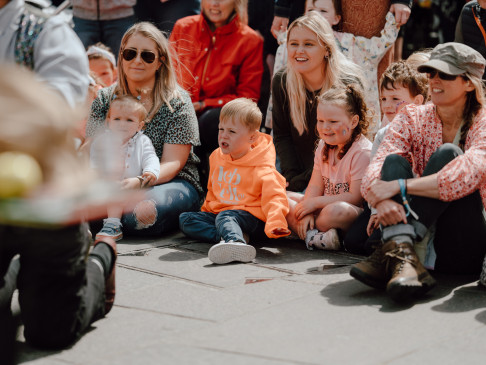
column 250, row 183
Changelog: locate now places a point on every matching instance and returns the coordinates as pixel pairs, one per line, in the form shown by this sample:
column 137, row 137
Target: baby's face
column 124, row 121
column 235, row 138
column 324, row 8
column 393, row 100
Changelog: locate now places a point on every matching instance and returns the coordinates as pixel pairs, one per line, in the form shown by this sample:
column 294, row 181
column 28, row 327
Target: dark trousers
column 208, row 133
column 356, row 239
column 460, row 236
column 60, row 292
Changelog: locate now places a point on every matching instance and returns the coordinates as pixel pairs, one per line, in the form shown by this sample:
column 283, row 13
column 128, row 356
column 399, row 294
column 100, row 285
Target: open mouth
column 301, row 59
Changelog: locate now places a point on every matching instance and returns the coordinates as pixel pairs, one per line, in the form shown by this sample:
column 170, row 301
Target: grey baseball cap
column 455, row 59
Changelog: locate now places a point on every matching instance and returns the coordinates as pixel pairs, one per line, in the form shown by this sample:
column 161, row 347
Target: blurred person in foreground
column 62, row 289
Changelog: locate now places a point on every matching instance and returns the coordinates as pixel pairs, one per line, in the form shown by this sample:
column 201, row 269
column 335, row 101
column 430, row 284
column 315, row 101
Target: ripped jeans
column 160, row 212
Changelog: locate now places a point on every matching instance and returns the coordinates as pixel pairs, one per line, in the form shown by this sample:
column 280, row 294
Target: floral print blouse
column 416, row 133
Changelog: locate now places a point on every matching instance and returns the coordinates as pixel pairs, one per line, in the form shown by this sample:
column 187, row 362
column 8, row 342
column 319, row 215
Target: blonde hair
column 241, row 9
column 244, row 110
column 166, row 87
column 131, row 102
column 336, row 68
column 351, row 99
column 38, row 122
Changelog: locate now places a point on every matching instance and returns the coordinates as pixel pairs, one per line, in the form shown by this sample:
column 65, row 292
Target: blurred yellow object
column 20, row 173
column 425, row 3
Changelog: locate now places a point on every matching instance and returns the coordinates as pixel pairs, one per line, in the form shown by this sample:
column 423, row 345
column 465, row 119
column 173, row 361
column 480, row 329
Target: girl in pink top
column 332, row 199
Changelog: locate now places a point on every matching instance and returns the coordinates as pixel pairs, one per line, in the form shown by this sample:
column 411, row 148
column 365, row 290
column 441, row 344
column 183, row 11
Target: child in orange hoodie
column 246, row 195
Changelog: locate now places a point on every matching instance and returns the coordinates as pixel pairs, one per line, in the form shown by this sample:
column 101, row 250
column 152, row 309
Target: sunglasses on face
column 129, row 54
column 443, row 76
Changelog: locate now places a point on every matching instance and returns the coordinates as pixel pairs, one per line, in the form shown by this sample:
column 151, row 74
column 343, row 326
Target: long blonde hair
column 336, row 68
column 166, row 87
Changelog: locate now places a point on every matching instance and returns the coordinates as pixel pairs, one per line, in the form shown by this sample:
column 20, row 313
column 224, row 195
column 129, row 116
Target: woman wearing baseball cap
column 428, row 181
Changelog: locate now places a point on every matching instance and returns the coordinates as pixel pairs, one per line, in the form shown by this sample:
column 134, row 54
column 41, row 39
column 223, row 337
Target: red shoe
column 110, row 282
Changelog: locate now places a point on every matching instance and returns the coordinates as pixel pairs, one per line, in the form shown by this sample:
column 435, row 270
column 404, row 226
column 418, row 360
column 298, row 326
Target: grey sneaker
column 110, row 230
column 482, row 277
column 226, row 252
column 328, row 240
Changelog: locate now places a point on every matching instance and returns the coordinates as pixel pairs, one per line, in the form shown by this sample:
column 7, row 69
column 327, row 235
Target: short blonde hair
column 131, row 102
column 244, row 110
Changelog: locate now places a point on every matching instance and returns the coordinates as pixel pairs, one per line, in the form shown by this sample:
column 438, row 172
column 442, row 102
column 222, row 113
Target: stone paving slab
column 292, row 306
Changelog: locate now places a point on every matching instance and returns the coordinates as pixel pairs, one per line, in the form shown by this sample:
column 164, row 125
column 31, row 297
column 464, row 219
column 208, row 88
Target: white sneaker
column 225, row 252
column 323, row 240
column 482, row 277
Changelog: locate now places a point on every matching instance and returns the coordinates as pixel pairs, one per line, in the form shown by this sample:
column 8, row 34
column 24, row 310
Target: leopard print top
column 172, row 127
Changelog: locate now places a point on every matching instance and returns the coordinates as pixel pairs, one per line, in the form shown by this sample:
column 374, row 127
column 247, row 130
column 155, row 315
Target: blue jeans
column 227, row 225
column 108, row 32
column 171, row 199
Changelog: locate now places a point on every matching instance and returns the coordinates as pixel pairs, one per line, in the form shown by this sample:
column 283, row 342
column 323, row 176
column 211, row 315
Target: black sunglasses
column 443, row 76
column 129, row 54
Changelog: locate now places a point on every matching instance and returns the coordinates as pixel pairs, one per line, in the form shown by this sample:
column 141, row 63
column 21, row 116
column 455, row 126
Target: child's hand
column 280, row 231
column 149, row 179
column 131, row 183
column 305, row 224
column 305, row 207
column 372, row 224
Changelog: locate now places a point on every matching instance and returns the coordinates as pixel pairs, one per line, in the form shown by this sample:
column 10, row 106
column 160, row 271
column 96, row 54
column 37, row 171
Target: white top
column 59, row 56
column 138, row 156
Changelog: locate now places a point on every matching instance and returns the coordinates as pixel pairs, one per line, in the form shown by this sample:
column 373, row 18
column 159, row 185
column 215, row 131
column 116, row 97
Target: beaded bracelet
column 403, row 190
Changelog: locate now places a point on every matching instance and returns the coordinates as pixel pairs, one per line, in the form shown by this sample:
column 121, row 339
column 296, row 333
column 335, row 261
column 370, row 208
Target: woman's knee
column 145, row 214
column 441, row 157
column 396, row 167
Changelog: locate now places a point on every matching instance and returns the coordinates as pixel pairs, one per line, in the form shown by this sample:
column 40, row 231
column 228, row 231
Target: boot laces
column 402, row 255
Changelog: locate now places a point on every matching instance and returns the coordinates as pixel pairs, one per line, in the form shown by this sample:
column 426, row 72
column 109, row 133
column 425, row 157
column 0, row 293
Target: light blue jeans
column 170, row 199
column 227, row 225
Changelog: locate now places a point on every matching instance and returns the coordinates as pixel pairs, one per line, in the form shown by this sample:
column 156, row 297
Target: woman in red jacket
column 219, row 59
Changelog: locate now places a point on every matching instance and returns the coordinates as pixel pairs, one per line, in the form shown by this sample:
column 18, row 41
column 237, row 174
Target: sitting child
column 401, row 84
column 333, row 199
column 246, row 194
column 102, row 63
column 123, row 151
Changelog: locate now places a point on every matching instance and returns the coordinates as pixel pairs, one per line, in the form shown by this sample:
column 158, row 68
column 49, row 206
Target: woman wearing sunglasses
column 427, row 181
column 145, row 71
column 220, row 59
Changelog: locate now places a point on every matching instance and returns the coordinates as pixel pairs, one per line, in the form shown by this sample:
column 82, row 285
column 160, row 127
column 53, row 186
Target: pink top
column 338, row 174
column 415, row 133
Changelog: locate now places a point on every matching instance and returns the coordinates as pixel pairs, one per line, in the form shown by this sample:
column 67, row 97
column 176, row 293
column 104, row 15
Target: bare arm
column 174, row 158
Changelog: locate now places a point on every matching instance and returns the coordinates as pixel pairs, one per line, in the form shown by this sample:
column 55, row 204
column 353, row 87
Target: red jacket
column 217, row 67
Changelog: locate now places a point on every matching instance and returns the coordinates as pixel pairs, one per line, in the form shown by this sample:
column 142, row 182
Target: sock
column 103, row 254
column 115, row 221
column 403, row 238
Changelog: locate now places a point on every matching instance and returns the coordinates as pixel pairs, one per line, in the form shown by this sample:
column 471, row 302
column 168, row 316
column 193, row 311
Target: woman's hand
column 389, row 212
column 373, row 224
column 382, row 190
column 402, row 13
column 305, row 224
column 131, row 183
column 305, row 207
column 279, row 25
column 149, row 179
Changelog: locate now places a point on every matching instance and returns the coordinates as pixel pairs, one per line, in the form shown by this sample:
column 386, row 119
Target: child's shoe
column 225, row 252
column 323, row 240
column 482, row 277
column 110, row 230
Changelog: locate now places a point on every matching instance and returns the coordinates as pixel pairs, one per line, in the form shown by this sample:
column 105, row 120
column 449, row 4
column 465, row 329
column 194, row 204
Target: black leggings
column 208, row 133
column 460, row 236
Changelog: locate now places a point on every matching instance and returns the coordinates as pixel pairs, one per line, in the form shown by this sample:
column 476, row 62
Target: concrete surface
column 291, row 306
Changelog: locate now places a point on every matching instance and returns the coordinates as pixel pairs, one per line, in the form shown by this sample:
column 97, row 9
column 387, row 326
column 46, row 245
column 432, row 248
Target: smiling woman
column 314, row 65
column 145, row 71
column 427, row 181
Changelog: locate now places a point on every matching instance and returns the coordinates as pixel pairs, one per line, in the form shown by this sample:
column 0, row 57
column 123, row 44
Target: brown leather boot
column 408, row 277
column 110, row 282
column 372, row 271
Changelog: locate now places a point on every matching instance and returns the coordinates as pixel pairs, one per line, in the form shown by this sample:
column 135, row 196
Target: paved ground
column 291, row 306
